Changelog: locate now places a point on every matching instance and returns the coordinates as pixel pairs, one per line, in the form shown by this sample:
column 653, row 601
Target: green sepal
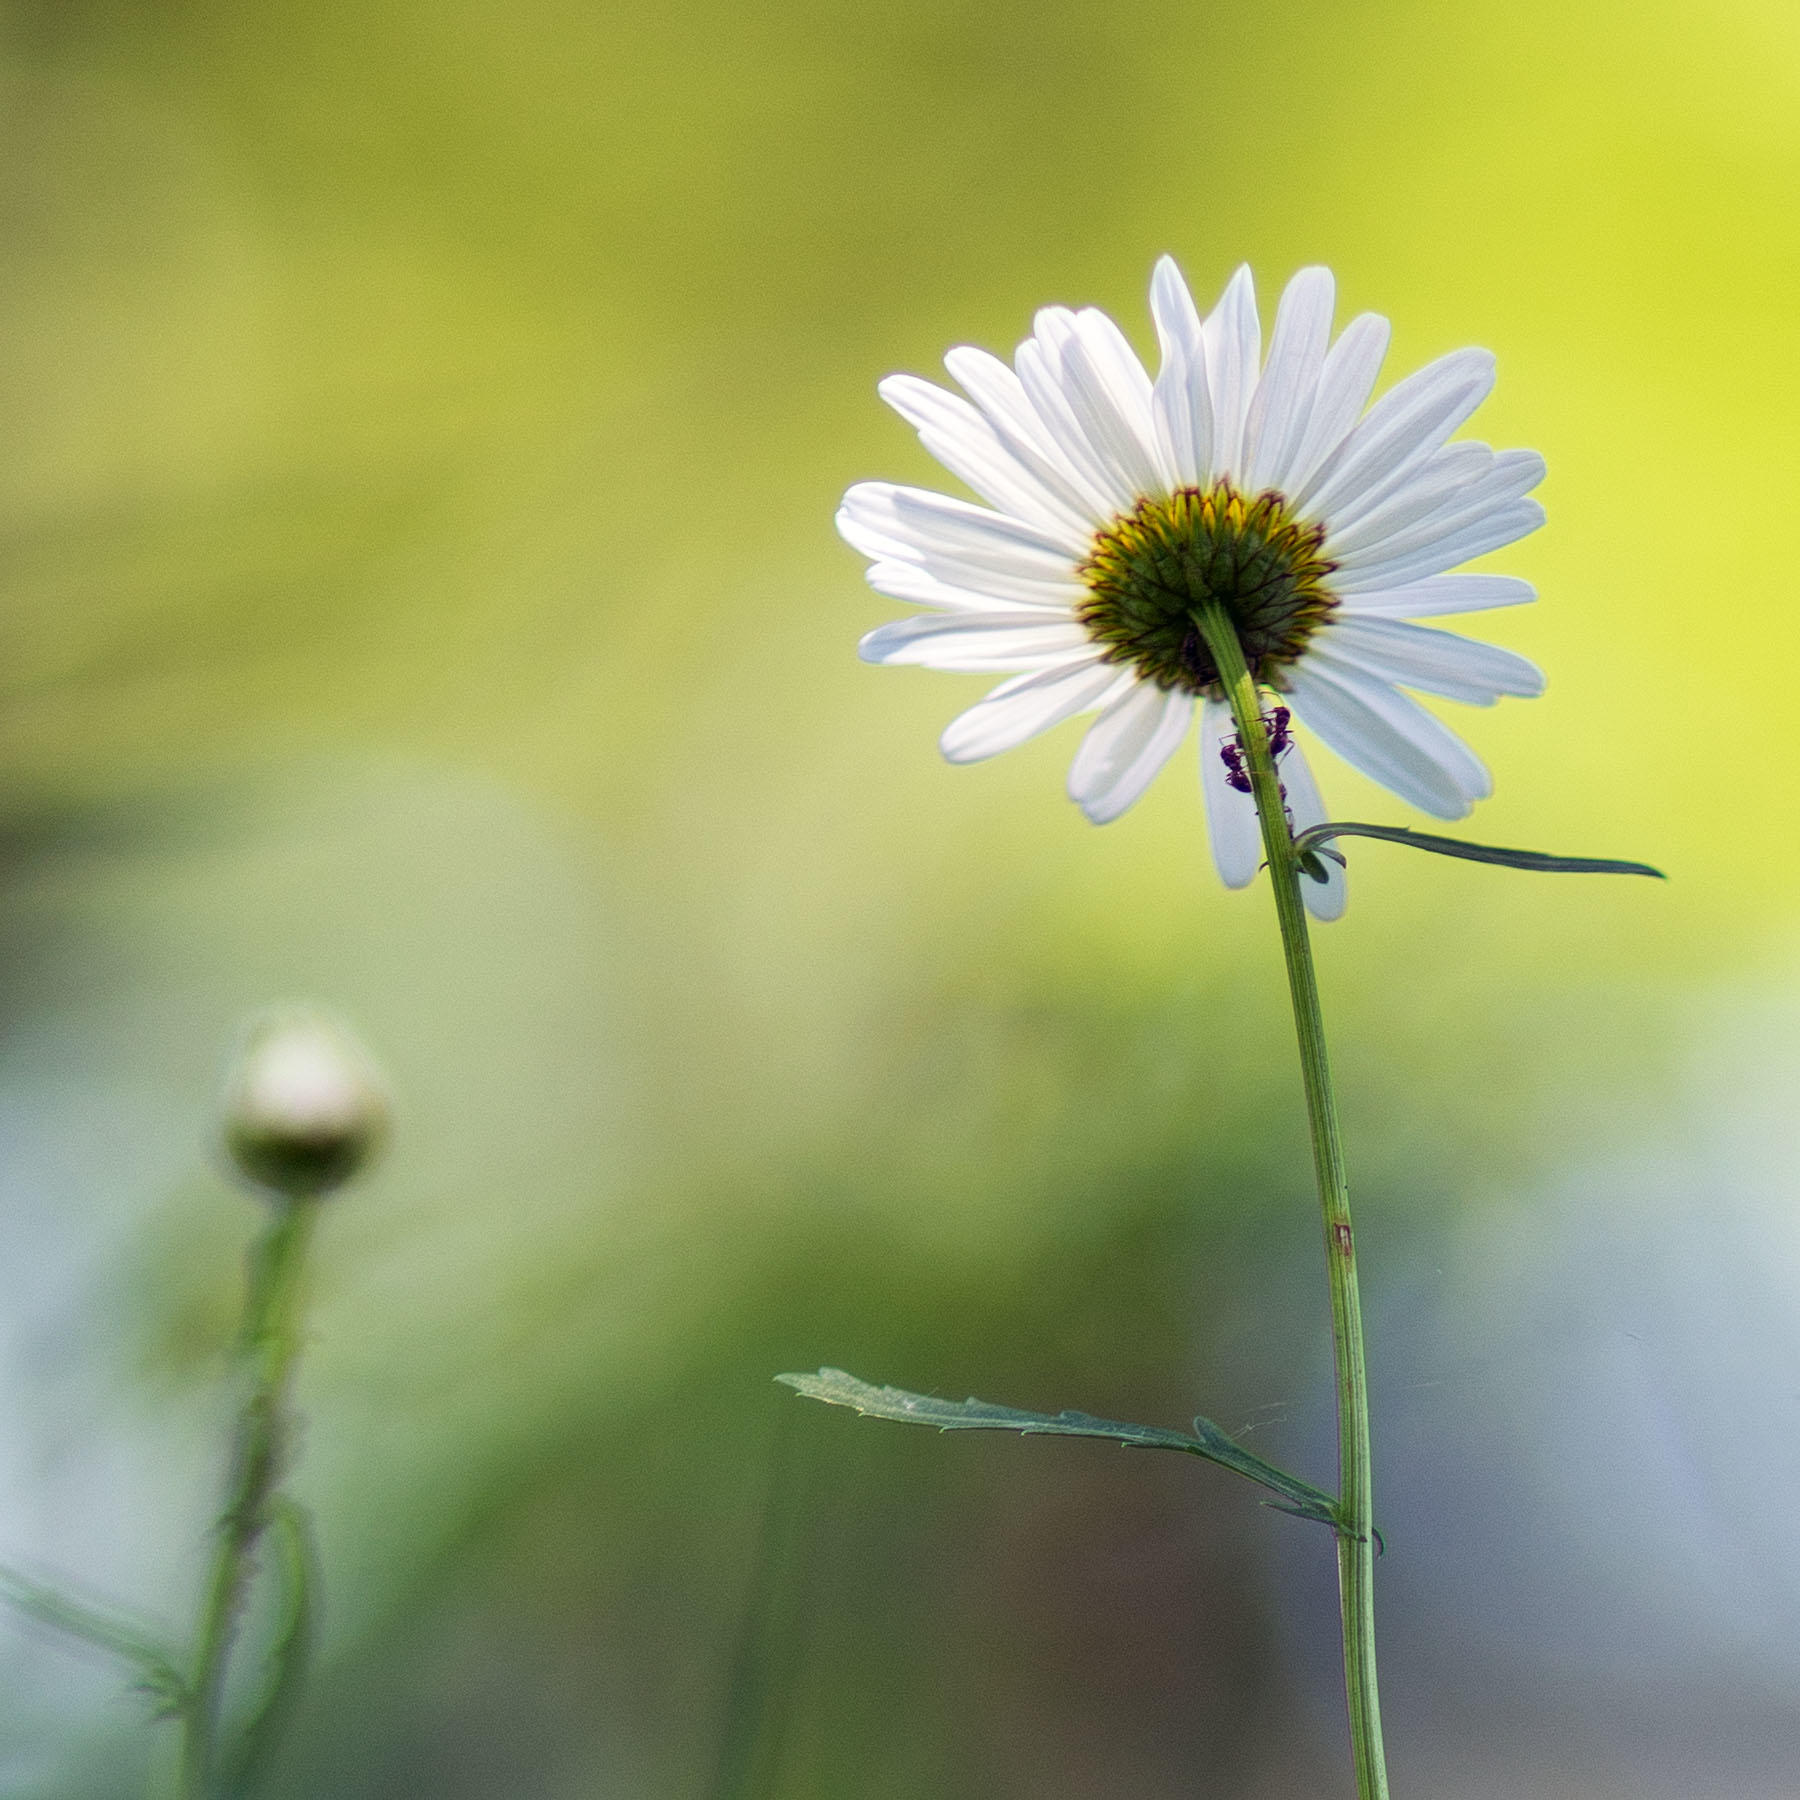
column 1310, row 842
column 836, row 1388
column 290, row 1646
column 157, row 1675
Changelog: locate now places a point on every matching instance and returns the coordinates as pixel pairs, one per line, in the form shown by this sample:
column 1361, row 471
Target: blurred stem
column 270, row 1344
column 1355, row 1527
column 760, row 1698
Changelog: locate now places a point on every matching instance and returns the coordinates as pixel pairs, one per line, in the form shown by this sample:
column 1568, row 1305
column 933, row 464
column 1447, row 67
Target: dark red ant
column 1237, row 773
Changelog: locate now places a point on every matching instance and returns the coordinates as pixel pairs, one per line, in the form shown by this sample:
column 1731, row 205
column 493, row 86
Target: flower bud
column 305, row 1106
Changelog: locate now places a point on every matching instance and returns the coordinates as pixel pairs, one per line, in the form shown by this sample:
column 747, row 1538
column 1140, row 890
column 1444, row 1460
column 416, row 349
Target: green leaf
column 290, row 1649
column 1310, row 842
column 158, row 1677
column 838, row 1389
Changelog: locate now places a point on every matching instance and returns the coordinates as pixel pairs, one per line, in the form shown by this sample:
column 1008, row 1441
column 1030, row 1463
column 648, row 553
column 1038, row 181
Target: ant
column 1237, row 775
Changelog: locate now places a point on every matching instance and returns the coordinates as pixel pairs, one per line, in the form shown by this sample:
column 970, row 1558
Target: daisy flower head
column 1118, row 505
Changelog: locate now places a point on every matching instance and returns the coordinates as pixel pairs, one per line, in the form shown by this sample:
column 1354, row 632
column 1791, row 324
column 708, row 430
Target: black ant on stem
column 1277, row 724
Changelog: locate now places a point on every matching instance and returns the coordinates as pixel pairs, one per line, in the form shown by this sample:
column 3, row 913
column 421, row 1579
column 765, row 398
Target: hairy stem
column 1355, row 1526
column 270, row 1344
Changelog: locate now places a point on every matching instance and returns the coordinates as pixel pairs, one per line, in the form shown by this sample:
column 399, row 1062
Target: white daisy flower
column 1116, row 504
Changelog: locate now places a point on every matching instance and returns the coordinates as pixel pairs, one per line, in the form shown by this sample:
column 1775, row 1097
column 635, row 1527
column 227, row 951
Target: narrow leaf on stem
column 1311, row 841
column 839, row 1389
column 157, row 1673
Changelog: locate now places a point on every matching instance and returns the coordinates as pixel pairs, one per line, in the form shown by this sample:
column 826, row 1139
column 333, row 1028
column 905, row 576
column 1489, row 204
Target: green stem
column 1356, row 1534
column 271, row 1343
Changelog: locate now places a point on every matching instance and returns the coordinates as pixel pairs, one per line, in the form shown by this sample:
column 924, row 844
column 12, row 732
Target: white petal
column 1172, row 305
column 1507, row 479
column 1181, row 403
column 1125, row 747
column 1392, row 739
column 991, row 587
column 1040, row 373
column 1112, row 409
column 964, row 546
column 1439, row 594
column 1109, row 371
column 917, row 519
column 1447, row 475
column 1437, row 662
column 1230, row 815
column 1005, row 486
column 1326, row 899
column 1489, row 531
column 1006, row 640
column 1345, row 384
column 907, row 581
column 1508, row 476
column 1019, row 709
column 966, row 443
column 1401, row 430
column 1233, row 340
column 1117, row 363
column 1284, row 395
column 997, row 390
column 945, row 583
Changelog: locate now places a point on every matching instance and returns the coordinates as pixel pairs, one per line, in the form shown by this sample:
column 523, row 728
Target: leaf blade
column 837, row 1388
column 158, row 1675
column 1314, row 837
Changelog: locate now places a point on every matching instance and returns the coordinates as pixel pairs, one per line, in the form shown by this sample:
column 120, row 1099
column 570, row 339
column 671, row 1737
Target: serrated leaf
column 836, row 1388
column 1310, row 842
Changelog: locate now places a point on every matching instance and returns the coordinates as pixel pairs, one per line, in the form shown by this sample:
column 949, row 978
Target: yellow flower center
column 1149, row 572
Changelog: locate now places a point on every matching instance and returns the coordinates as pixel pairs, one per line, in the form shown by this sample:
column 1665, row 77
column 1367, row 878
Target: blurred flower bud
column 305, row 1107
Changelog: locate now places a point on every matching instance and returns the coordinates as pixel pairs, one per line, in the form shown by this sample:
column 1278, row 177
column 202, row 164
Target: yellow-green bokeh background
column 422, row 425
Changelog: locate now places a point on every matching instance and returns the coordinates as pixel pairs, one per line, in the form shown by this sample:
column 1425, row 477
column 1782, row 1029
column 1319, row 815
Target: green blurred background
column 422, row 426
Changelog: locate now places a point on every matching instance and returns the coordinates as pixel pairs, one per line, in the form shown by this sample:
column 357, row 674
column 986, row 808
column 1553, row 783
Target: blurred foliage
column 423, row 429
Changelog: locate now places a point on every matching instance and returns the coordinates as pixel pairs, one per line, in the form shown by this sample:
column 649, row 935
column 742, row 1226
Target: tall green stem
column 271, row 1343
column 1356, row 1533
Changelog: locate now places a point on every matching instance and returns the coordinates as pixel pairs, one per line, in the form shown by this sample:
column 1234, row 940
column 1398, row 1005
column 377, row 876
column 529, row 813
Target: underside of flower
column 1151, row 571
column 1123, row 519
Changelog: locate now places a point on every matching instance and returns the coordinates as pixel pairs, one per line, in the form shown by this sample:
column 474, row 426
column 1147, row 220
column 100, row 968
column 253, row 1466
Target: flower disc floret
column 1152, row 571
